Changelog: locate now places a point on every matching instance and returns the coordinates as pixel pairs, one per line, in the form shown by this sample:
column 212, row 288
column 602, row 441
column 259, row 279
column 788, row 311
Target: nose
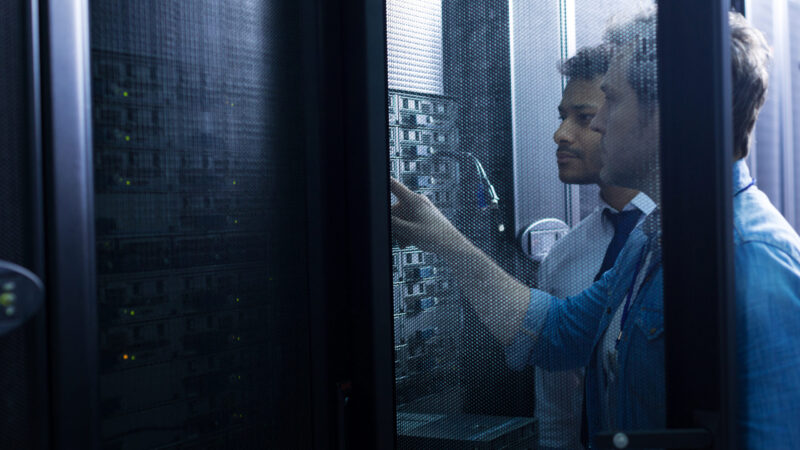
column 562, row 135
column 598, row 123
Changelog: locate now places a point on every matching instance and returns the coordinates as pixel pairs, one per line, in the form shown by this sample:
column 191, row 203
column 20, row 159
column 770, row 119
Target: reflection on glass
column 474, row 360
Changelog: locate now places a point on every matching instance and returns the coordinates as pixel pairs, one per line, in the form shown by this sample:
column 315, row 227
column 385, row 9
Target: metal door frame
column 349, row 218
column 696, row 164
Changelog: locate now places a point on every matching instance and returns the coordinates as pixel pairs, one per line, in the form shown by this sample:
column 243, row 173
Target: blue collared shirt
column 767, row 265
column 569, row 268
column 563, row 334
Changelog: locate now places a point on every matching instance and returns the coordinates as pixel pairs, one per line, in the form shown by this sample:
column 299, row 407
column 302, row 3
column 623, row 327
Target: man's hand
column 416, row 221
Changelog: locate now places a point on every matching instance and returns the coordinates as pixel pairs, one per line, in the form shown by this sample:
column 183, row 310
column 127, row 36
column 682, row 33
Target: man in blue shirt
column 578, row 259
column 616, row 327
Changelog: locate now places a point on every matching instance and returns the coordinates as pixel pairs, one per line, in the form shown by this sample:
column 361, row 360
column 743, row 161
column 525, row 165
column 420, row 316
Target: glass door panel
column 517, row 187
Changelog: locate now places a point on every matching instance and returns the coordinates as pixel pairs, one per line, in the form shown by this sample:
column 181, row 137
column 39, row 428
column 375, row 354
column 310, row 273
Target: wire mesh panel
column 200, row 201
column 20, row 350
column 496, row 345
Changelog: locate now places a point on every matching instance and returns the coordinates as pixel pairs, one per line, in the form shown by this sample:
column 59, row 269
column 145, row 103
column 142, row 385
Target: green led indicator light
column 8, row 299
column 127, row 182
column 237, row 299
column 235, row 220
column 133, row 312
column 127, row 138
column 125, row 94
column 238, row 338
column 234, row 182
column 231, row 103
column 133, row 358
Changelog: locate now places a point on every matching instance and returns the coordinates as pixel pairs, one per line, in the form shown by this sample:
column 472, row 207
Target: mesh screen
column 13, row 137
column 495, row 346
column 414, row 45
column 199, row 192
column 22, row 423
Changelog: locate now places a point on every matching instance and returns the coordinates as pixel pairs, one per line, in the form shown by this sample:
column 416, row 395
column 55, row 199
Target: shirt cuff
column 518, row 352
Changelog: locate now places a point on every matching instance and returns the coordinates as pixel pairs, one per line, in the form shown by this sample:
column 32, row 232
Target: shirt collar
column 644, row 203
column 641, row 202
column 741, row 175
column 652, row 224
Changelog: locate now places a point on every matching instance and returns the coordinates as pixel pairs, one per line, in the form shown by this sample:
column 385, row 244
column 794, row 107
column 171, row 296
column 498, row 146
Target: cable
column 492, row 201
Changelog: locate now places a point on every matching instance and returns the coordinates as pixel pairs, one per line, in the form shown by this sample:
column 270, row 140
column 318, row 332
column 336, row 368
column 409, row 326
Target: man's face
column 578, row 153
column 629, row 146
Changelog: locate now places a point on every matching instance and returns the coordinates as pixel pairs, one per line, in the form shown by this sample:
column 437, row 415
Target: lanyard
column 627, row 307
column 642, row 256
column 752, row 183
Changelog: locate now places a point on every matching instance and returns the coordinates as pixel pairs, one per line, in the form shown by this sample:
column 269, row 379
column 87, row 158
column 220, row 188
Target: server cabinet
column 179, row 212
column 206, row 286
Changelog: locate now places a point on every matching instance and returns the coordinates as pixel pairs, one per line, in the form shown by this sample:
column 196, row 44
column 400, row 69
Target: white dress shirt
column 568, row 269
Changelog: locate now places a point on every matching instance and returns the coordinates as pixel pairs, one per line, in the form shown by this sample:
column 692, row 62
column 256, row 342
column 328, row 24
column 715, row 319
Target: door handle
column 21, row 296
column 677, row 438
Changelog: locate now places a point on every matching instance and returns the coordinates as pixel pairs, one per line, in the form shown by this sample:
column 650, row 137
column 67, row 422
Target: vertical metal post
column 696, row 162
column 69, row 193
column 363, row 54
column 349, row 218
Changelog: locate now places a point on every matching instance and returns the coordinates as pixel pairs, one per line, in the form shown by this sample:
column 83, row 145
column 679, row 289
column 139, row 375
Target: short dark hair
column 638, row 37
column 587, row 64
column 750, row 59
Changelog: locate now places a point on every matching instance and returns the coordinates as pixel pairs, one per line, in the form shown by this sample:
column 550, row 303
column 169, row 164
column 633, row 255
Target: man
column 622, row 345
column 591, row 248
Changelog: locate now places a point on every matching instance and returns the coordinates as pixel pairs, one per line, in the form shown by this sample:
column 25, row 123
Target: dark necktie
column 624, row 222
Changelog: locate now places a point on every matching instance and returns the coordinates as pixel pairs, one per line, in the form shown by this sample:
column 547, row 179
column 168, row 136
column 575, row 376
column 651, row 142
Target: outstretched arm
column 498, row 298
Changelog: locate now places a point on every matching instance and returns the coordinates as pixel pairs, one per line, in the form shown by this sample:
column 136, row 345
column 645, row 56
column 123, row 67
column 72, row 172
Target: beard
column 634, row 169
column 634, row 163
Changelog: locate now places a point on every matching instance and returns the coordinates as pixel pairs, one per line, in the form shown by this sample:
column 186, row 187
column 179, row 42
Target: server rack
column 187, row 293
column 437, row 348
column 195, row 288
column 427, row 310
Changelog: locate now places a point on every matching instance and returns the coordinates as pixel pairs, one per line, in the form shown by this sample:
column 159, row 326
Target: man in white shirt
column 579, row 258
